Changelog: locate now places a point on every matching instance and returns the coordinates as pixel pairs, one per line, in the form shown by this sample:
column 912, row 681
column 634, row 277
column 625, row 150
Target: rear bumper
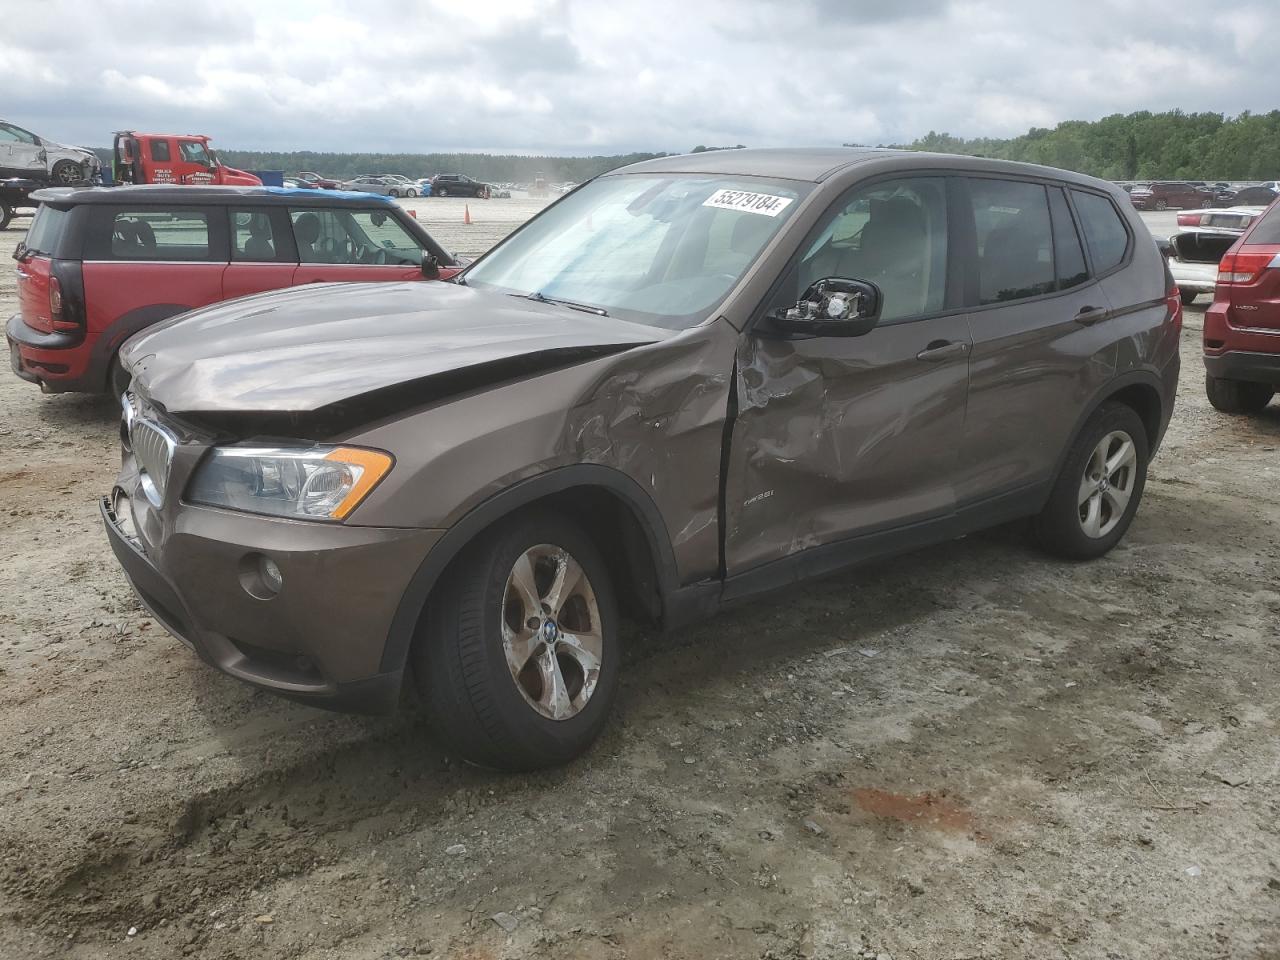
column 59, row 362
column 1242, row 365
column 1198, row 277
column 319, row 641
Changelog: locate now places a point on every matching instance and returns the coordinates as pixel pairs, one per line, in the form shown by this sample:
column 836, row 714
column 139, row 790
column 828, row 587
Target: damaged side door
column 836, row 436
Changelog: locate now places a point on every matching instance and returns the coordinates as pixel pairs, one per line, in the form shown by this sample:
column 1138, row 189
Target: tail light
column 55, row 304
column 1190, row 219
column 1173, row 300
column 1246, row 266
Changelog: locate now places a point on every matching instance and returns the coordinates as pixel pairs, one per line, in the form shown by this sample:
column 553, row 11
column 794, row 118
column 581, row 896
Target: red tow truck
column 169, row 158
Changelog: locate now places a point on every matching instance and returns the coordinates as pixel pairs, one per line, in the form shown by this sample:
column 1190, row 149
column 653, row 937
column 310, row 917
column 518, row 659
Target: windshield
column 656, row 249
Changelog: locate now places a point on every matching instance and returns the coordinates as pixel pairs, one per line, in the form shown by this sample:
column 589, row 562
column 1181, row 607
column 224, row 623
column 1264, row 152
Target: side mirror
column 20, row 251
column 833, row 307
column 430, row 266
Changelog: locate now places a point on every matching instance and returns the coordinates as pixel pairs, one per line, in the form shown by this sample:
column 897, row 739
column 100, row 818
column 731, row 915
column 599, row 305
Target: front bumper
column 320, row 640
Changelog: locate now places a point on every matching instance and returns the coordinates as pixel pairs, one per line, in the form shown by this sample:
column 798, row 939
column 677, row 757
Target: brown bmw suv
column 686, row 383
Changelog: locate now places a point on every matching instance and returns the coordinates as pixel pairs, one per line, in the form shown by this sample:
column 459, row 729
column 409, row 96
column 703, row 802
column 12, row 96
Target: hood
column 304, row 348
column 67, row 148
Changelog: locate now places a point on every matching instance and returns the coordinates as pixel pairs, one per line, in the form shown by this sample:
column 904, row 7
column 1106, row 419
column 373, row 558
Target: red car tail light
column 1173, row 300
column 1245, row 266
column 55, row 305
column 1190, row 219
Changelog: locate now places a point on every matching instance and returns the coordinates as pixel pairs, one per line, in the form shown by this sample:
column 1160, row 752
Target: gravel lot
column 969, row 752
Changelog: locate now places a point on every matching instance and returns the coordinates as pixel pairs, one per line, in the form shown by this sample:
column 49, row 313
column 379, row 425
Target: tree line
column 1140, row 146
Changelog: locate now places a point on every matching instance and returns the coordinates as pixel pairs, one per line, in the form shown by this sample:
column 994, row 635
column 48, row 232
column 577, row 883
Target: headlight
column 316, row 483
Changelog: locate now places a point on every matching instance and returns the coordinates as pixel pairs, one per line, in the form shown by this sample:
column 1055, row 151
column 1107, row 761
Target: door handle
column 1088, row 316
column 940, row 350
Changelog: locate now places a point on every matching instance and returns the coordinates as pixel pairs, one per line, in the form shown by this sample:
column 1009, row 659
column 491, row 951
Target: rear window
column 160, row 235
column 45, row 232
column 1104, row 231
column 1268, row 228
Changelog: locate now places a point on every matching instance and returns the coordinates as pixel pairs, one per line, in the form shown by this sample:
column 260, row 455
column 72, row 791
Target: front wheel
column 518, row 655
column 1237, row 396
column 1098, row 491
column 441, row 192
column 1161, row 205
column 66, row 172
column 411, row 193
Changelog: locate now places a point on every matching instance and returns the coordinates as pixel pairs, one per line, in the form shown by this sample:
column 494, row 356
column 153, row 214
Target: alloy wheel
column 551, row 631
column 1107, row 484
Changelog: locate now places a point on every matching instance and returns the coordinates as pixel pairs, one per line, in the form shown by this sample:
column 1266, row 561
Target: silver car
column 386, row 186
column 25, row 154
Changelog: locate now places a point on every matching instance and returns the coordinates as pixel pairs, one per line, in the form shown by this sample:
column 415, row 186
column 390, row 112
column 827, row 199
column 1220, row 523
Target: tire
column 1237, row 396
column 1161, row 205
column 394, row 193
column 6, row 214
column 66, row 172
column 1206, row 204
column 442, row 192
column 117, row 379
column 1084, row 529
column 411, row 193
column 477, row 707
column 1188, row 297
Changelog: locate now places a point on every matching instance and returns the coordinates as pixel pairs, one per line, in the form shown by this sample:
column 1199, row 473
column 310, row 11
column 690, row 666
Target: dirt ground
column 969, row 752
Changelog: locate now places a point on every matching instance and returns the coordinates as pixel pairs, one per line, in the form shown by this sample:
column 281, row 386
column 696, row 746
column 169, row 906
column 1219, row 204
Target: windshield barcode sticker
column 763, row 203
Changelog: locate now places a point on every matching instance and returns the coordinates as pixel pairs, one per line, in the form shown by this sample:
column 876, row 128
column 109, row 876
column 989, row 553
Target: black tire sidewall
column 1237, row 396
column 6, row 214
column 1058, row 525
column 62, row 165
column 512, row 735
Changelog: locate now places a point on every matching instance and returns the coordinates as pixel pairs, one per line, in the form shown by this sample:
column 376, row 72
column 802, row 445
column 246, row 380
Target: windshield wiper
column 543, row 298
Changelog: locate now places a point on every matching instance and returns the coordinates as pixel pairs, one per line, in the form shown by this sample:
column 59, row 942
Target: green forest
column 1141, row 146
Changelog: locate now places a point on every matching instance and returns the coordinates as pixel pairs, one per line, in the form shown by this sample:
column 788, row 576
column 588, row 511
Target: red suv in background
column 1242, row 326
column 98, row 265
column 1163, row 194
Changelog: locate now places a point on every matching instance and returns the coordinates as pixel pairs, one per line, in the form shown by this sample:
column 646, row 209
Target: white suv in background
column 24, row 154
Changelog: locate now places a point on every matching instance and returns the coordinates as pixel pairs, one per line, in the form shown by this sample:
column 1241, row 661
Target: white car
column 1194, row 252
column 27, row 155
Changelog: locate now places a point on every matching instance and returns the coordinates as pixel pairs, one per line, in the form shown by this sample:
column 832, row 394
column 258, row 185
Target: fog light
column 271, row 575
column 260, row 576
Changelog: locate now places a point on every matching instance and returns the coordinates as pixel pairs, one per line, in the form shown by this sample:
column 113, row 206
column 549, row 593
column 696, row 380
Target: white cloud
column 571, row 76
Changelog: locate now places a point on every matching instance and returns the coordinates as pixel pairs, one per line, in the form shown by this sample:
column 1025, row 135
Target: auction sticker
column 762, row 203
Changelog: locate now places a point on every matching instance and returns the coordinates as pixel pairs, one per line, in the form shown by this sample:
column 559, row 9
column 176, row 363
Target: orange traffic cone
column 466, row 214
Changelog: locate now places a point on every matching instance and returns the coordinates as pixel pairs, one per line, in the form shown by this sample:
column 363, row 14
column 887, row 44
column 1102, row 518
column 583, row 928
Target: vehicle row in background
column 27, row 155
column 99, row 265
column 1190, row 194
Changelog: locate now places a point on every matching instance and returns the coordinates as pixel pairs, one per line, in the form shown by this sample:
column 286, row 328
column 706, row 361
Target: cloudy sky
column 609, row 76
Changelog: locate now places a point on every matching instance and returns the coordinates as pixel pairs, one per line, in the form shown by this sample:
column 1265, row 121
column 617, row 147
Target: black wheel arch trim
column 521, row 494
column 120, row 330
column 1145, row 378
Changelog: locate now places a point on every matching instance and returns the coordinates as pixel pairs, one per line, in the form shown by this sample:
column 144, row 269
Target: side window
column 16, row 134
column 252, row 238
column 160, row 151
column 382, row 239
column 7, row 135
column 320, row 237
column 1015, row 240
column 1068, row 254
column 1104, row 231
column 160, row 235
column 893, row 234
column 193, row 151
